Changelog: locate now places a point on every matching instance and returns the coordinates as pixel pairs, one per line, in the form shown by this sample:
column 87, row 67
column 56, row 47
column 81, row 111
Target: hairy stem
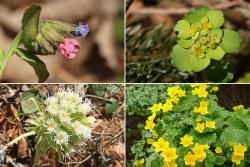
column 21, row 137
column 11, row 51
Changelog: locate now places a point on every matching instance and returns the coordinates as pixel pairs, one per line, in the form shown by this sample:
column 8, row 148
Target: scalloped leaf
column 196, row 14
column 185, row 43
column 216, row 18
column 216, row 54
column 181, row 29
column 180, row 58
column 231, row 41
column 197, row 64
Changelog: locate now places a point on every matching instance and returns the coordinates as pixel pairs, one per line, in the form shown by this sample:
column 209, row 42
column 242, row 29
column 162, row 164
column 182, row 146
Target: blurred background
column 149, row 41
column 101, row 56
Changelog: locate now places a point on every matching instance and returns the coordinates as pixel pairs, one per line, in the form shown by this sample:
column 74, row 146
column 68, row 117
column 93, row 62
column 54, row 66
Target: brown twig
column 181, row 11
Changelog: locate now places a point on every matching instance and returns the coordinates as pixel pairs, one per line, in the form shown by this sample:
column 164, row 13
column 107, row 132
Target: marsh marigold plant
column 190, row 128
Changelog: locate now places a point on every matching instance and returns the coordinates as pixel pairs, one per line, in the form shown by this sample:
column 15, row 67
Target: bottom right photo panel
column 179, row 125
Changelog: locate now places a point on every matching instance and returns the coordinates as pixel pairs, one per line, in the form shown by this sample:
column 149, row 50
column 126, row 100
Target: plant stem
column 21, row 137
column 11, row 51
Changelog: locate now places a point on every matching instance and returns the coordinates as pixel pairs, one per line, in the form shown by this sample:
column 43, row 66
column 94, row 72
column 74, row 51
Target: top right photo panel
column 187, row 41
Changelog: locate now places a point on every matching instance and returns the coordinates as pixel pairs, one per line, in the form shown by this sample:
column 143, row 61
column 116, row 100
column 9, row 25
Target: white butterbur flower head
column 51, row 126
column 66, row 120
column 61, row 137
column 85, row 107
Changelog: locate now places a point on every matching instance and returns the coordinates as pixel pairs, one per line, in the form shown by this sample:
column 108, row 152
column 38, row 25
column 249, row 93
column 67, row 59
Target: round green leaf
column 185, row 43
column 180, row 58
column 231, row 41
column 216, row 18
column 196, row 14
column 216, row 54
column 197, row 64
column 182, row 28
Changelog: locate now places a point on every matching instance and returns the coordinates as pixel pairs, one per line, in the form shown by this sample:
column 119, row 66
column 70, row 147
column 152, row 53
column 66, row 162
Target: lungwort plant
column 202, row 38
column 43, row 37
column 189, row 128
column 60, row 122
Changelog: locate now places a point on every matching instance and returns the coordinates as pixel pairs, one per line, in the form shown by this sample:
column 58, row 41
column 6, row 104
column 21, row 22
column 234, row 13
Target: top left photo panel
column 61, row 41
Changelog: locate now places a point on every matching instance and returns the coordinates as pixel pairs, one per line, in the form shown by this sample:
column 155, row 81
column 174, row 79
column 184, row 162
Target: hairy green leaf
column 39, row 67
column 30, row 23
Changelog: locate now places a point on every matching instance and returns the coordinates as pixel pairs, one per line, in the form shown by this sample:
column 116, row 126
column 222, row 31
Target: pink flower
column 68, row 48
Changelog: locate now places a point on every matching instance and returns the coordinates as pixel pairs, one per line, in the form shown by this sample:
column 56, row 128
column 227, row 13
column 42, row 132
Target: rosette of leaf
column 200, row 38
column 42, row 36
column 62, row 124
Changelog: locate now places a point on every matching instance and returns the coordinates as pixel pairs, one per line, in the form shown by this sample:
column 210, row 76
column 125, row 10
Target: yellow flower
column 160, row 145
column 218, row 150
column 175, row 99
column 200, row 90
column 150, row 141
column 215, row 89
column 169, row 164
column 198, row 150
column 168, row 106
column 186, row 140
column 156, row 107
column 169, row 154
column 139, row 162
column 210, row 124
column 237, row 159
column 175, row 91
column 202, row 109
column 149, row 125
column 194, row 85
column 235, row 108
column 190, row 159
column 239, row 149
column 152, row 117
column 201, row 158
column 172, row 91
column 200, row 127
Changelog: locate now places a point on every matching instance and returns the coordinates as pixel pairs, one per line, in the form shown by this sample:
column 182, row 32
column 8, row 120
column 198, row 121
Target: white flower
column 91, row 120
column 64, row 117
column 82, row 130
column 51, row 125
column 61, row 137
column 85, row 107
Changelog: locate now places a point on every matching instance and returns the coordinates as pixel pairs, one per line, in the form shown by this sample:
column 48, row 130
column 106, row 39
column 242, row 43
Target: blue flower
column 81, row 30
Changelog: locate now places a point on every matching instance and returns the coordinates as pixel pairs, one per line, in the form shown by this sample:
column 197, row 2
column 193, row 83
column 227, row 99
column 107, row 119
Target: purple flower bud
column 81, row 30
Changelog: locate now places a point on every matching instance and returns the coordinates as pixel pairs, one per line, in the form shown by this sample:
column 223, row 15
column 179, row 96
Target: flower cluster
column 201, row 38
column 139, row 162
column 174, row 93
column 238, row 153
column 168, row 153
column 49, row 36
column 239, row 107
column 198, row 154
column 66, row 119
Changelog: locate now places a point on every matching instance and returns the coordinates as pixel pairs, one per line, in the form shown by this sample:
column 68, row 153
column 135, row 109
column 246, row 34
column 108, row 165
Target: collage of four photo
column 124, row 83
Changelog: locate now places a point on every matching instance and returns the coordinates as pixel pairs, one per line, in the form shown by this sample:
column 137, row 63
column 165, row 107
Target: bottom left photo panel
column 62, row 125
